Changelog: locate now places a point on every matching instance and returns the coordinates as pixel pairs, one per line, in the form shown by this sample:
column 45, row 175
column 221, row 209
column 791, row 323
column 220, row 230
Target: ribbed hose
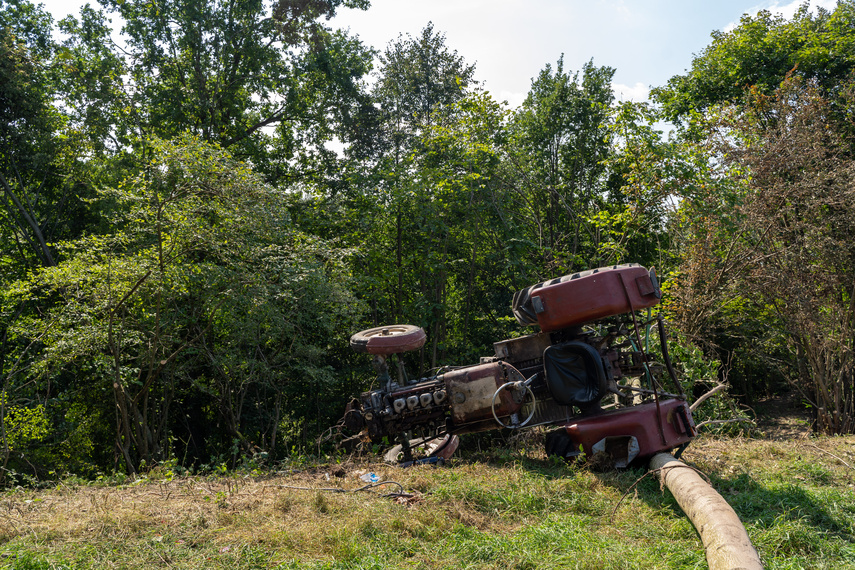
column 725, row 540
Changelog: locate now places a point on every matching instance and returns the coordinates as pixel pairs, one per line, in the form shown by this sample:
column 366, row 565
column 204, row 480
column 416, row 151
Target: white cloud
column 637, row 93
column 623, row 10
column 786, row 10
column 514, row 99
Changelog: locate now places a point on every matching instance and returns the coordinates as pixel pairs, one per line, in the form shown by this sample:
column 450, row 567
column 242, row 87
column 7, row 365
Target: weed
column 811, row 472
column 321, row 504
column 519, row 512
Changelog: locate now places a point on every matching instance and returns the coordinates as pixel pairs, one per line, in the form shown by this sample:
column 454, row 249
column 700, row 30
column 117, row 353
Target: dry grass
column 519, row 511
column 766, row 457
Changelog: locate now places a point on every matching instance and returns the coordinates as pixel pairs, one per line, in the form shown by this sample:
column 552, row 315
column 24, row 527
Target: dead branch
column 706, row 396
column 829, row 453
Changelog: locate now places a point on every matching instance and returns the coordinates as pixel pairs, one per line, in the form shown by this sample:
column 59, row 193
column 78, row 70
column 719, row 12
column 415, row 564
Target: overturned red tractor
column 590, row 371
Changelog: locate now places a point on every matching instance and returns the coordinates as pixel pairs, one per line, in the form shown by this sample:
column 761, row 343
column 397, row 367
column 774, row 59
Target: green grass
column 512, row 510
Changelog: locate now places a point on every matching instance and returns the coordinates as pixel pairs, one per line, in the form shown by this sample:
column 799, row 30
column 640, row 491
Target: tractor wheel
column 390, row 339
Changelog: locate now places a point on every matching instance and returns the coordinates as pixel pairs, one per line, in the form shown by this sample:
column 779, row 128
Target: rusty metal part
column 529, row 347
column 586, row 296
column 639, row 422
column 440, row 447
column 666, row 356
column 471, row 390
column 515, row 388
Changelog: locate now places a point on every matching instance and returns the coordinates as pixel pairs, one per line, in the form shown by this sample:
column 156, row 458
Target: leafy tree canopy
column 223, row 69
column 760, row 53
column 560, row 137
column 199, row 304
column 418, row 78
column 37, row 149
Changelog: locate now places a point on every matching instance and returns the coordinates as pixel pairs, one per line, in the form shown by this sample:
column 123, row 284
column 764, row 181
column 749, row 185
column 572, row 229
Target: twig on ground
column 716, row 422
column 828, row 453
column 368, row 487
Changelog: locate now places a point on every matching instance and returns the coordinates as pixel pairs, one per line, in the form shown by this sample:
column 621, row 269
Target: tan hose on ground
column 725, row 541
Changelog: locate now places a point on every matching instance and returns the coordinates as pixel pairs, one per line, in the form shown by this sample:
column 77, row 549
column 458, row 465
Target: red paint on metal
column 471, row 391
column 594, row 296
column 638, row 421
column 390, row 339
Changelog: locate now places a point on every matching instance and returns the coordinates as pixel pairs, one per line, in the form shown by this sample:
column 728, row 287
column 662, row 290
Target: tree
column 736, row 77
column 560, row 139
column 759, row 53
column 229, row 71
column 385, row 206
column 798, row 228
column 41, row 201
column 87, row 74
column 110, row 289
column 419, row 81
column 199, row 307
column 644, row 175
column 767, row 249
column 464, row 256
column 418, row 78
column 27, row 145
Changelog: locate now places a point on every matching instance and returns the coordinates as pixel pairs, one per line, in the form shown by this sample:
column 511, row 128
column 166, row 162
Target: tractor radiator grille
column 546, row 412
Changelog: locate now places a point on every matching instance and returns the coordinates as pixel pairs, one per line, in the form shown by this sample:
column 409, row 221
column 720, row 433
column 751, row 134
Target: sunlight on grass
column 520, row 513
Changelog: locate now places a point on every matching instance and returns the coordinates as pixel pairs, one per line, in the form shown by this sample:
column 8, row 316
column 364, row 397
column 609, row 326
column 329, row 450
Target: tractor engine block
column 465, row 398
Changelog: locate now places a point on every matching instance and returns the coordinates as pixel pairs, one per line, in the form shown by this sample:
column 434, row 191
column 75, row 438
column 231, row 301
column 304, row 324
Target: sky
column 511, row 41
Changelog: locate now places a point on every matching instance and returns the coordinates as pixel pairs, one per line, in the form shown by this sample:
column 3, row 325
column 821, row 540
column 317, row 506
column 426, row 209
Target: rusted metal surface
column 589, row 355
column 529, row 347
column 471, row 391
column 587, row 296
column 389, row 339
column 640, row 422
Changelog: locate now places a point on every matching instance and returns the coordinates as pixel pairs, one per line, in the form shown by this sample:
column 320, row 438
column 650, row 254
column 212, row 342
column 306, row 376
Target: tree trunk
column 41, row 250
column 725, row 541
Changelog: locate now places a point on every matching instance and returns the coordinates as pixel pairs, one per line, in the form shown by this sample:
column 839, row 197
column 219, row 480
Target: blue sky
column 510, row 41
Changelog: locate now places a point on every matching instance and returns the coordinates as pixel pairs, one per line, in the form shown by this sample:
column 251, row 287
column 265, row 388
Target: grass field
column 509, row 508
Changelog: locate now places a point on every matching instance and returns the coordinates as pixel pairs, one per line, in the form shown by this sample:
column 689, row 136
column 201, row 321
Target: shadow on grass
column 757, row 504
column 763, row 505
